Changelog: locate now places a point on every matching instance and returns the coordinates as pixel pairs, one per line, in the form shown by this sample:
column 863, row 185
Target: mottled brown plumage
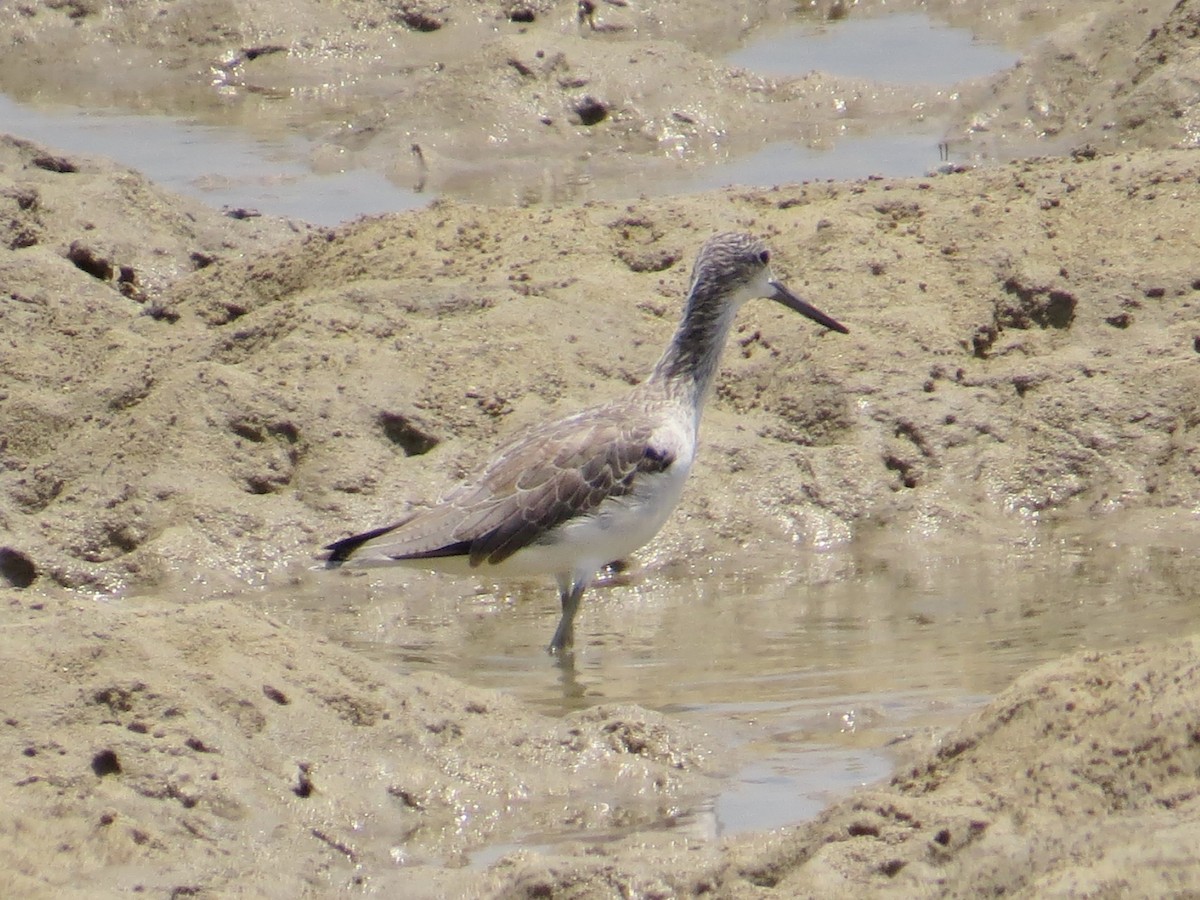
column 521, row 495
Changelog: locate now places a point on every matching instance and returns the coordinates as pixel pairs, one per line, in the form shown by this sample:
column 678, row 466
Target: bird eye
column 764, row 257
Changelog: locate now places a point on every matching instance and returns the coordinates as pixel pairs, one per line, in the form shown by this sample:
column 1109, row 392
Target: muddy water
column 219, row 164
column 257, row 156
column 811, row 669
column 224, row 167
column 896, row 48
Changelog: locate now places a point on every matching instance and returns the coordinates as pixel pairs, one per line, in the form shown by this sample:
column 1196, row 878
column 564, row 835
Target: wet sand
column 194, row 402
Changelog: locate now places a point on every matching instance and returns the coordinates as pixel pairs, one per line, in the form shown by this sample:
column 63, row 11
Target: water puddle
column 899, row 48
column 906, row 152
column 810, row 669
column 780, row 790
column 220, row 165
column 287, row 174
column 224, row 167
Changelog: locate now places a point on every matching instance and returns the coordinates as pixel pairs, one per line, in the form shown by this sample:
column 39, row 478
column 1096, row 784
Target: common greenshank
column 567, row 497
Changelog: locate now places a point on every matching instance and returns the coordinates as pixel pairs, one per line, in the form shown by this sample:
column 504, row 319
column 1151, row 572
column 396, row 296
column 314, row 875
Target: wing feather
column 535, row 484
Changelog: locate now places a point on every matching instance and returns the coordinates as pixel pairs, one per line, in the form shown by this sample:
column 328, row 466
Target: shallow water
column 225, row 155
column 900, row 48
column 224, row 167
column 809, row 668
column 221, row 165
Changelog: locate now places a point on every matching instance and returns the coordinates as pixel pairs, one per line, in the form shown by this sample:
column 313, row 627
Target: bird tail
column 340, row 551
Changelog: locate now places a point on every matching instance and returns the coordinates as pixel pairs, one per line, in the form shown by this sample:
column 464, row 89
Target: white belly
column 616, row 529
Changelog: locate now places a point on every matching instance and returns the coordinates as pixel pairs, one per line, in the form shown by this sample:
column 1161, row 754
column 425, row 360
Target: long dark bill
column 791, row 301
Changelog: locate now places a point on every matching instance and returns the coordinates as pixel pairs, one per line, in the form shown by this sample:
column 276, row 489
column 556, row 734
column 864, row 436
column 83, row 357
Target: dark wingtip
column 340, row 551
column 336, row 556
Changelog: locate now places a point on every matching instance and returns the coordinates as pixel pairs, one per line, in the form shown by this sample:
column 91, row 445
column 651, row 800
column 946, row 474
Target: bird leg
column 570, row 590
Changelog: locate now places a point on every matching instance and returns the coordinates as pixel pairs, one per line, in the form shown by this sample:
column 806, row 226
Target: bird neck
column 689, row 364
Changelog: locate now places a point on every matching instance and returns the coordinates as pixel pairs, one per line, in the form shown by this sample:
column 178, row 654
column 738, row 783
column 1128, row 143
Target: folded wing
column 552, row 474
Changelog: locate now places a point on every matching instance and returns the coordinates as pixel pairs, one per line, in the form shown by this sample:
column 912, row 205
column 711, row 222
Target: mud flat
column 192, row 402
